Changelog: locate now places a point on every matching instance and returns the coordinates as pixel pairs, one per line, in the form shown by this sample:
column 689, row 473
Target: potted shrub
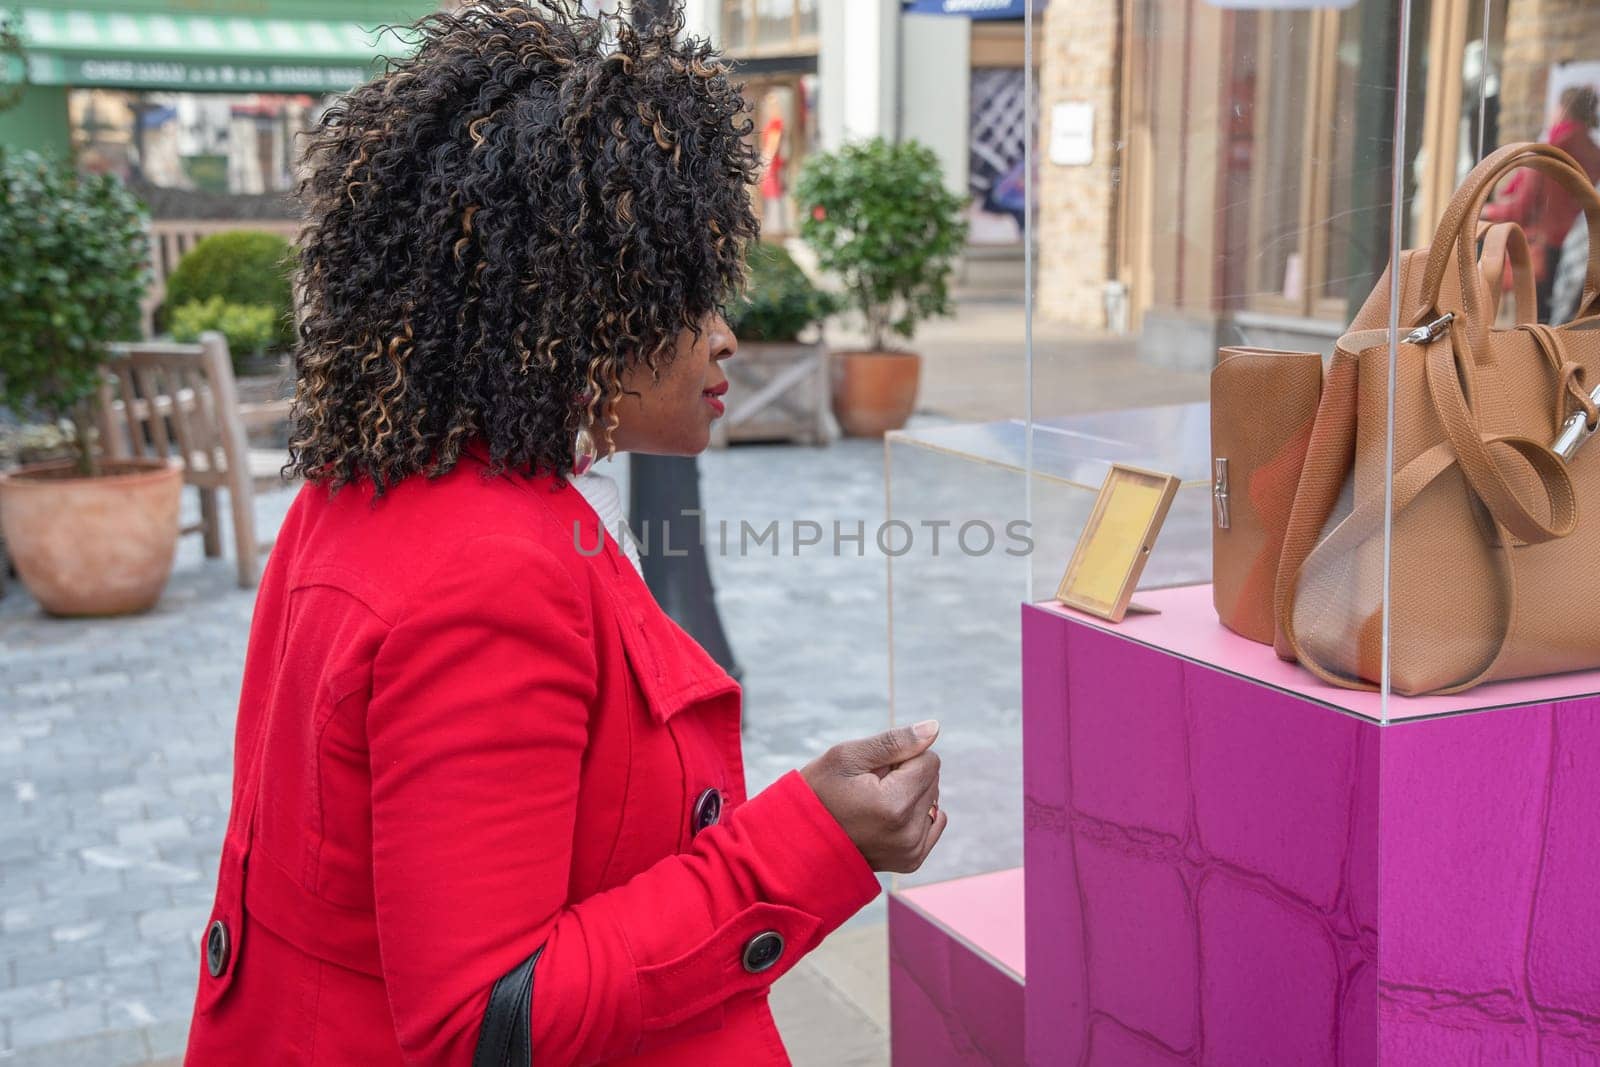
column 880, row 219
column 239, row 269
column 780, row 386
column 87, row 537
column 251, row 329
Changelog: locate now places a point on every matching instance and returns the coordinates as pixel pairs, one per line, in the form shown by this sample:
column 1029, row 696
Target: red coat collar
column 673, row 671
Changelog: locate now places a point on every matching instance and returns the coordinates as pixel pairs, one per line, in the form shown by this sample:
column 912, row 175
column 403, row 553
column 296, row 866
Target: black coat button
column 707, row 810
column 217, row 948
column 762, row 951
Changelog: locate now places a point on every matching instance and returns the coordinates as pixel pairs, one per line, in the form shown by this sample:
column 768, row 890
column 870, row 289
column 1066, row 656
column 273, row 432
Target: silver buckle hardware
column 1219, row 494
column 1575, row 431
column 1431, row 332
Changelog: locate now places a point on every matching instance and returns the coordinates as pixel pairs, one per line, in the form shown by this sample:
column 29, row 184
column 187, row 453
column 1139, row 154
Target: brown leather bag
column 1263, row 404
column 1491, row 576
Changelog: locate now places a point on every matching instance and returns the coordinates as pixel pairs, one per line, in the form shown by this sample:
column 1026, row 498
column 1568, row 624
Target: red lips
column 714, row 394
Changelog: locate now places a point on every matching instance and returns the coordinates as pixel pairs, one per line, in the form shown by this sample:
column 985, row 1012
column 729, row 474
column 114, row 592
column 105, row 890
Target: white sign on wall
column 1072, row 134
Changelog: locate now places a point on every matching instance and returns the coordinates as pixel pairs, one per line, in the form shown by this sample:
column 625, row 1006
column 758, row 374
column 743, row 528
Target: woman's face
column 670, row 414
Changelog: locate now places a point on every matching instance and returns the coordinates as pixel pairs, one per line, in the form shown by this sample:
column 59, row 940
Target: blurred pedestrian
column 1543, row 208
column 488, row 800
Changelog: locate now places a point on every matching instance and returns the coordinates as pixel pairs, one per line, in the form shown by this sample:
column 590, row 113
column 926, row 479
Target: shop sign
column 194, row 76
column 973, row 9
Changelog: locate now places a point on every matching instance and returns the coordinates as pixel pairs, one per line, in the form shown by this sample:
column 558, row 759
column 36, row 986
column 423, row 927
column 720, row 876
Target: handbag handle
column 1503, row 241
column 1461, row 219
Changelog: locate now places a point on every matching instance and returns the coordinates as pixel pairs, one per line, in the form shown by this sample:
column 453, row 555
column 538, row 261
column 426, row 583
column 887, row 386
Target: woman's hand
column 884, row 791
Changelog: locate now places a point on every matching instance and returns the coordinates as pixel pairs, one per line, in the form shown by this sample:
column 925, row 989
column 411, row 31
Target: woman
column 488, row 804
column 1541, row 205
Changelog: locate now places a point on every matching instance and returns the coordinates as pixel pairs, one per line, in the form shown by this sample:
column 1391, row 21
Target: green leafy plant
column 780, row 302
column 241, row 267
column 73, row 268
column 879, row 216
column 249, row 328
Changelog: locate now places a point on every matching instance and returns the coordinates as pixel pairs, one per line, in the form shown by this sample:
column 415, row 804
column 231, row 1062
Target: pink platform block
column 1230, row 864
column 955, row 973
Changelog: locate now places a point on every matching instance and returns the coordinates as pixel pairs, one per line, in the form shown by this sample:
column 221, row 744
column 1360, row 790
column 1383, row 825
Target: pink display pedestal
column 1230, row 864
column 955, row 973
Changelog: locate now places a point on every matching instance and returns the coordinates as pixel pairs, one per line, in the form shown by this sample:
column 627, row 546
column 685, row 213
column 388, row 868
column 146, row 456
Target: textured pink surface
column 1225, row 872
column 949, row 1005
column 984, row 910
column 1187, row 626
column 1490, row 889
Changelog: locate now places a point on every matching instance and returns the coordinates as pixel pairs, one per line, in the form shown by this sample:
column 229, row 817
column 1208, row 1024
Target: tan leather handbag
column 1492, row 574
column 1263, row 406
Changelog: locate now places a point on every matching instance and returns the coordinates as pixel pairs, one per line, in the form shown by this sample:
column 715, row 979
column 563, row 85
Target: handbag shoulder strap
column 1453, row 238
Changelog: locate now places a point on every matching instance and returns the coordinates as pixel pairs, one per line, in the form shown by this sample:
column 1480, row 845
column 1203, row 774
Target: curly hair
column 502, row 223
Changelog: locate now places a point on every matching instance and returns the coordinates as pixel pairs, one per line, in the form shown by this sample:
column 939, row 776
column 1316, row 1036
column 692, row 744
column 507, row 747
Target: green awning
column 199, row 52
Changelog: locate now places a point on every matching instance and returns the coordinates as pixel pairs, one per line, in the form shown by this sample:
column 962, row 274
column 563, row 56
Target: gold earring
column 584, row 452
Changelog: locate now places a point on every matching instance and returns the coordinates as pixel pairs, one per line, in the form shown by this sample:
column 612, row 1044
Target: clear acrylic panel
column 1486, row 470
column 1235, row 210
column 1225, row 188
column 1225, row 184
column 957, row 539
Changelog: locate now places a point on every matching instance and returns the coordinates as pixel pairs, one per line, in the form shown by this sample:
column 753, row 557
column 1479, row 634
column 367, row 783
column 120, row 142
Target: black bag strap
column 506, row 1037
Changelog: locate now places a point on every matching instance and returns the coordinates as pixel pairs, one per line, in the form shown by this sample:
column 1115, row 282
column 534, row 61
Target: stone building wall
column 1539, row 35
column 1075, row 225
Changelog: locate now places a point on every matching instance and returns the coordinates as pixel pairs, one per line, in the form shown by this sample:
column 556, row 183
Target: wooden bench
column 178, row 400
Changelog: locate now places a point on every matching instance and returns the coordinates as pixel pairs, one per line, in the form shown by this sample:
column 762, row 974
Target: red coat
column 476, row 740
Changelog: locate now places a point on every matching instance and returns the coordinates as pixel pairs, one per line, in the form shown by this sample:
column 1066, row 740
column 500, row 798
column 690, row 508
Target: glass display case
column 1325, row 266
column 1227, row 187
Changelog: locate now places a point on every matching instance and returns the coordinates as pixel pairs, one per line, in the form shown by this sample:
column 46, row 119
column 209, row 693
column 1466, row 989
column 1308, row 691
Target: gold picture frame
column 1116, row 541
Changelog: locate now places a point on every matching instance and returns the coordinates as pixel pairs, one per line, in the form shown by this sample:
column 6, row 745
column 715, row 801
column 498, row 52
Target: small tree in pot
column 880, row 219
column 86, row 536
column 238, row 283
column 779, row 389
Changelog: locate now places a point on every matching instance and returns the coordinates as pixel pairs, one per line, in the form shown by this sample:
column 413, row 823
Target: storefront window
column 1342, row 144
column 1279, row 59
column 1304, row 147
column 208, row 143
column 736, row 24
column 774, row 21
column 769, row 27
column 806, row 17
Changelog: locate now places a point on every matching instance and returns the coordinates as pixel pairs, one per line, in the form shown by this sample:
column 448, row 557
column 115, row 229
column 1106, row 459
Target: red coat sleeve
column 477, row 724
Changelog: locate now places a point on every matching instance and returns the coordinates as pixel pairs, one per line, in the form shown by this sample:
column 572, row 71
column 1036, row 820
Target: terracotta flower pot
column 874, row 392
column 92, row 546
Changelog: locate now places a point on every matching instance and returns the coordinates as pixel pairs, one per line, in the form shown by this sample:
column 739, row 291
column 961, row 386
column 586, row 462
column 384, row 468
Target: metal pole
column 663, row 507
